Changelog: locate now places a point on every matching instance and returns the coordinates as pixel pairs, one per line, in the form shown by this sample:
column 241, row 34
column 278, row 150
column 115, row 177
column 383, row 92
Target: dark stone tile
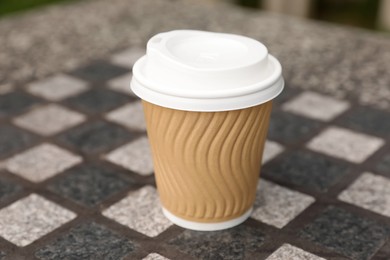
column 99, row 71
column 88, row 241
column 287, row 94
column 15, row 102
column 369, row 120
column 8, row 188
column 288, row 128
column 97, row 101
column 306, row 169
column 234, row 243
column 90, row 183
column 346, row 233
column 13, row 139
column 384, row 165
column 2, row 255
column 96, row 137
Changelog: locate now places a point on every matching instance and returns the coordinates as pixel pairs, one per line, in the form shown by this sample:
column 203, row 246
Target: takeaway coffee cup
column 207, row 100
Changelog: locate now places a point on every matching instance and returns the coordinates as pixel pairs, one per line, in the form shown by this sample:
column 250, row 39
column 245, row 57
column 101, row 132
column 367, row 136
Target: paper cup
column 207, row 101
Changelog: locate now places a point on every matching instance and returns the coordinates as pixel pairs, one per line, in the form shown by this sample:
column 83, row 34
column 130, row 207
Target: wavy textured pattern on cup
column 207, row 164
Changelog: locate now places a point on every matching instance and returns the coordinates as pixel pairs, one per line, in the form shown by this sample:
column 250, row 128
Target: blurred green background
column 13, row 6
column 360, row 13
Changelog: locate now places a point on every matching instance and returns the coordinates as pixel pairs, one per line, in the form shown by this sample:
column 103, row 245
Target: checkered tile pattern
column 76, row 177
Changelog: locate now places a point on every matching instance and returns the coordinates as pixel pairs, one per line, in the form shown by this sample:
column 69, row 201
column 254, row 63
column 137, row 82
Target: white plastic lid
column 205, row 71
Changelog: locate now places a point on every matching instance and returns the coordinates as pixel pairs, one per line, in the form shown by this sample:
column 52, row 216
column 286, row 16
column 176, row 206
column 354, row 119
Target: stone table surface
column 76, row 174
column 339, row 61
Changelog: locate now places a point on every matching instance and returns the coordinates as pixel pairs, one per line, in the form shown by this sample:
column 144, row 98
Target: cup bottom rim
column 201, row 226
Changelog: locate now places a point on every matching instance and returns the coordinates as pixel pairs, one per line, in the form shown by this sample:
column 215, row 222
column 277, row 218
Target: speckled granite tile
column 234, row 243
column 128, row 57
column 99, row 71
column 345, row 144
column 316, row 106
column 305, row 169
column 276, row 205
column 12, row 140
column 368, row 120
column 130, row 115
column 87, row 241
column 121, row 84
column 96, row 137
column 97, row 101
column 287, row 251
column 89, row 184
column 371, row 192
column 57, row 87
column 49, row 119
column 41, row 162
column 140, row 210
column 28, row 219
column 346, row 233
column 154, row 256
column 271, row 150
column 383, row 166
column 6, row 88
column 16, row 102
column 8, row 188
column 135, row 156
column 289, row 128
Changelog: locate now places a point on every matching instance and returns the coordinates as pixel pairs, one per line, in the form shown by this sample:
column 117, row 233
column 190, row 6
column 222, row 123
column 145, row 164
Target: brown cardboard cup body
column 207, row 164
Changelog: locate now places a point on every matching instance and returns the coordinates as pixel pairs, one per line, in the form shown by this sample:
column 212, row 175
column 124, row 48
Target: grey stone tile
column 41, row 162
column 99, row 71
column 383, row 166
column 12, row 140
column 30, row 218
column 289, row 128
column 87, row 241
column 90, row 183
column 140, row 210
column 271, row 150
column 130, row 115
column 276, row 205
column 154, row 256
column 234, row 243
column 96, row 137
column 8, row 188
column 305, row 169
column 135, row 156
column 16, row 102
column 316, row 106
column 57, row 87
column 97, row 101
column 128, row 57
column 48, row 120
column 122, row 84
column 346, row 233
column 2, row 255
column 6, row 88
column 345, row 144
column 371, row 192
column 368, row 120
column 287, row 251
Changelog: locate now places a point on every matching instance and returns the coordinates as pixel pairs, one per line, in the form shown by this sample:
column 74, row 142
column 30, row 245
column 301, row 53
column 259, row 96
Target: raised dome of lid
column 211, row 51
